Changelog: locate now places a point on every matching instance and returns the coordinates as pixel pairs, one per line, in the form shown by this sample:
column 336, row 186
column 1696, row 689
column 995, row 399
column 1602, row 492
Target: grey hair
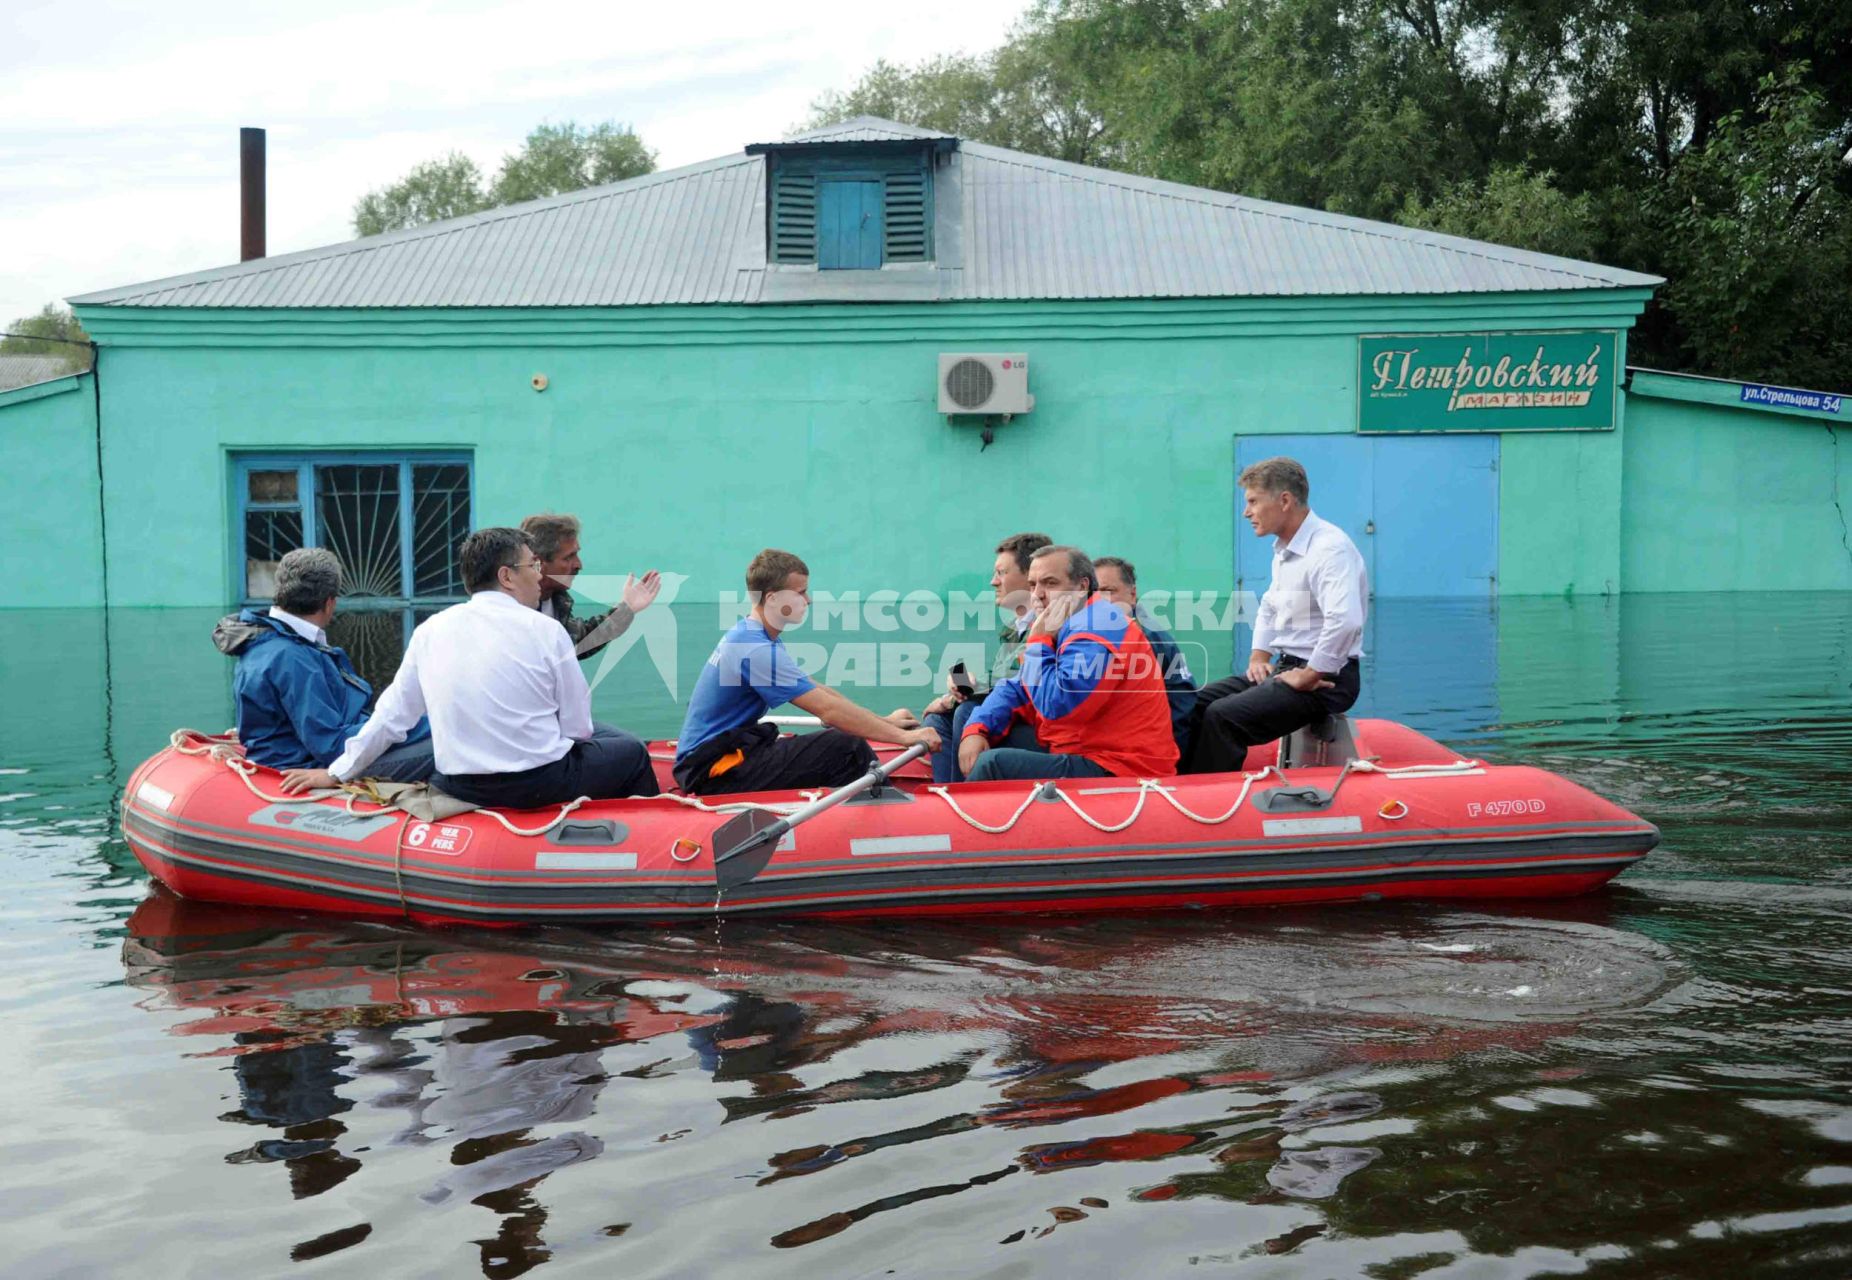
column 547, row 530
column 306, row 578
column 1277, row 475
column 1079, row 566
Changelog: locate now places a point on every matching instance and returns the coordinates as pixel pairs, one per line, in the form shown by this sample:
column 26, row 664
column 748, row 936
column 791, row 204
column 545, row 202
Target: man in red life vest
column 1090, row 685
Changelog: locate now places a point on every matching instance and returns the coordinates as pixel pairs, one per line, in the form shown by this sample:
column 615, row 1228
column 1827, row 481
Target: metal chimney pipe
column 251, row 191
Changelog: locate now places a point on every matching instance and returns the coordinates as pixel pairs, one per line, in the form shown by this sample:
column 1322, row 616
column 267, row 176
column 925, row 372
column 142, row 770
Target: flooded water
column 1654, row 1081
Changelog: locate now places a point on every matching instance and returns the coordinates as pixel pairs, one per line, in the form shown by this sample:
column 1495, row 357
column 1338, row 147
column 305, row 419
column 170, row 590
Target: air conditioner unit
column 974, row 382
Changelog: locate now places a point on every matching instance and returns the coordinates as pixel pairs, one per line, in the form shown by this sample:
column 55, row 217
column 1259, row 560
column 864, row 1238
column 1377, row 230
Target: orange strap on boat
column 1393, row 810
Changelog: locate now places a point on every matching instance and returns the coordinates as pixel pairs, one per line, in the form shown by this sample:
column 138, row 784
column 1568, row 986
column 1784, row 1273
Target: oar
column 758, row 831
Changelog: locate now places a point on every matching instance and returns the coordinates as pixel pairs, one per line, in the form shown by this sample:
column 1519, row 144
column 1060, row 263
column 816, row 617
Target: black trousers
column 609, row 765
column 829, row 758
column 1234, row 714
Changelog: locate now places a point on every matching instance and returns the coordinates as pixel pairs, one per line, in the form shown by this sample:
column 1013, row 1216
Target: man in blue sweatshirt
column 1119, row 584
column 299, row 698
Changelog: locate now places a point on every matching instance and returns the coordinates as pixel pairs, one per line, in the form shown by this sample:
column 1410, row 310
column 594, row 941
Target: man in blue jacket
column 299, row 697
column 1089, row 685
column 1119, row 584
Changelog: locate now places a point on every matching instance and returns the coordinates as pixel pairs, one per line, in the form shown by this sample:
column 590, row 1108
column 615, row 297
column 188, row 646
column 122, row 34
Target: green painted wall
column 689, row 437
column 1721, row 496
column 48, row 495
column 1559, row 520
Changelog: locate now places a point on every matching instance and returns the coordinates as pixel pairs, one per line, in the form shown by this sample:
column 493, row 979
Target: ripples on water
column 1649, row 1082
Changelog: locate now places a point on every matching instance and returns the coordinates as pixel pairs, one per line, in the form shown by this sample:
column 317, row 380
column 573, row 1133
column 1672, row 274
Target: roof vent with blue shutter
column 852, row 204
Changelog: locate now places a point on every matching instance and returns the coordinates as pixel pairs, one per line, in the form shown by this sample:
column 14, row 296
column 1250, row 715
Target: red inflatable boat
column 1359, row 812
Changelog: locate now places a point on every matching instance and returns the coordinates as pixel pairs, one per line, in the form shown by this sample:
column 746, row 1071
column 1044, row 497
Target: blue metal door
column 848, row 224
column 1423, row 510
column 1435, row 514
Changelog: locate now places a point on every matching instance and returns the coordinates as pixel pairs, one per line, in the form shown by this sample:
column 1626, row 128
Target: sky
column 119, row 122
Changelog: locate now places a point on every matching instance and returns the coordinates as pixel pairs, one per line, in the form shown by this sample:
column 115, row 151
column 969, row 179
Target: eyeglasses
column 527, row 564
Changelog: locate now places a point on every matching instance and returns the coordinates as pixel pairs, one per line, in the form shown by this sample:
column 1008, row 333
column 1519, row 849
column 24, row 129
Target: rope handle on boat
column 1147, row 787
column 225, row 749
column 1461, row 765
column 1151, row 786
column 688, row 801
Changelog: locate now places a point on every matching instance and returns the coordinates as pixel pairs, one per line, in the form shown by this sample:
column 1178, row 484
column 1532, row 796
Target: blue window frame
column 849, row 224
column 394, row 519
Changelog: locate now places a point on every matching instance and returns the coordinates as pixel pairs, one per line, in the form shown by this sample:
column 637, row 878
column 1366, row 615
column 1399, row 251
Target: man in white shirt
column 1312, row 616
column 511, row 715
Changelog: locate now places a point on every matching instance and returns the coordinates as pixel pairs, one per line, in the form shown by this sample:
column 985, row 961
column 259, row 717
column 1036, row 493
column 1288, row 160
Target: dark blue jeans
column 407, row 762
column 1007, row 764
column 952, row 724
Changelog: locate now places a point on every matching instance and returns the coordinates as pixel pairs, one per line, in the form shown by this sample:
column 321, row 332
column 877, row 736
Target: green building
column 883, row 348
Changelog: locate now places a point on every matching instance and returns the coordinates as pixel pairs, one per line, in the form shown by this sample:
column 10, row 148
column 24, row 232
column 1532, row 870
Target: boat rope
column 1416, row 770
column 398, row 866
column 225, row 749
column 1148, row 787
column 1457, row 767
column 985, row 827
column 544, row 827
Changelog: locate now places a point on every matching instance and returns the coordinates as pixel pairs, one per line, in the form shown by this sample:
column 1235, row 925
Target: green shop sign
column 1488, row 382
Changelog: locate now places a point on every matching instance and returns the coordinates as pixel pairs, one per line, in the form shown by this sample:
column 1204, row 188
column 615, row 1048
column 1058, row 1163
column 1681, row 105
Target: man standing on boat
column 1090, row 686
column 511, row 714
column 1312, row 616
column 725, row 747
column 952, row 710
column 556, row 542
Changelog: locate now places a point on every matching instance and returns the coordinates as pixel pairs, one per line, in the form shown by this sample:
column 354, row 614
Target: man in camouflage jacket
column 556, row 542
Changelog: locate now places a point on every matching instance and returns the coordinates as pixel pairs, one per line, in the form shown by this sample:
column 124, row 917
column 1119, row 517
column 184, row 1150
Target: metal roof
column 1012, row 226
column 867, row 129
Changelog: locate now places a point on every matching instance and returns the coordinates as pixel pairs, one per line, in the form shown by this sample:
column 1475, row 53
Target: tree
column 953, row 93
column 562, row 158
column 1024, row 96
column 431, row 192
column 1758, row 242
column 51, row 322
column 555, row 159
column 1512, row 206
column 1643, row 133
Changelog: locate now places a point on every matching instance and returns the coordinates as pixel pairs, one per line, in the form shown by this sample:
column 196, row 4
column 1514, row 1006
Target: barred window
column 395, row 520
